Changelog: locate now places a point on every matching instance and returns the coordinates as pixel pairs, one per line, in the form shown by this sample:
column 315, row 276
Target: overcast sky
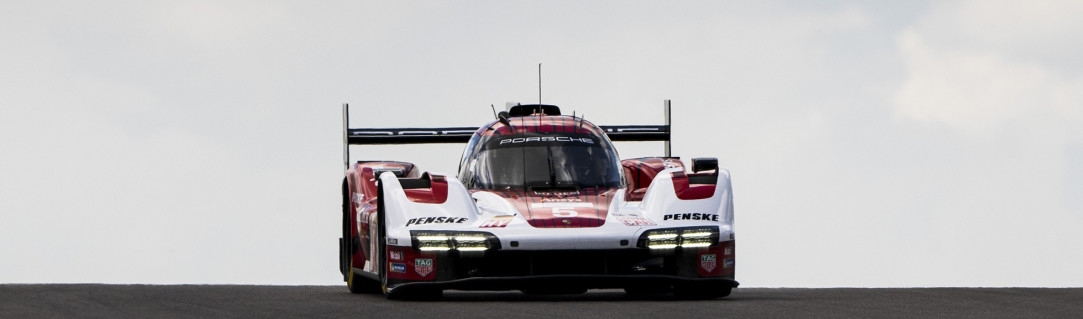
column 878, row 143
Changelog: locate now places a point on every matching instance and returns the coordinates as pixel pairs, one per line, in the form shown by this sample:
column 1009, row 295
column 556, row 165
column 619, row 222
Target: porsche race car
column 542, row 204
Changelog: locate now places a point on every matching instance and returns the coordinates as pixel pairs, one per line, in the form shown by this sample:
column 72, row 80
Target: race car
column 541, row 204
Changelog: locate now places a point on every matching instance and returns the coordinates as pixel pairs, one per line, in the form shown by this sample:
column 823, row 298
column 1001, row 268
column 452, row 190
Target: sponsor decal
column 637, row 221
column 398, row 267
column 564, row 212
column 545, row 193
column 562, row 209
column 671, row 163
column 560, row 204
column 728, row 263
column 392, row 241
column 518, row 140
column 708, row 261
column 423, row 266
column 496, row 222
column 396, row 255
column 565, row 200
column 691, row 216
column 435, row 220
column 729, row 251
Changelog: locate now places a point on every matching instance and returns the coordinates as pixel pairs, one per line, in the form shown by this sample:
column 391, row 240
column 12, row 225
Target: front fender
column 403, row 214
column 661, row 203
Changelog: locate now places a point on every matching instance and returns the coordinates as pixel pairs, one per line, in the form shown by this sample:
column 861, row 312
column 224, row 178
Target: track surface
column 19, row 301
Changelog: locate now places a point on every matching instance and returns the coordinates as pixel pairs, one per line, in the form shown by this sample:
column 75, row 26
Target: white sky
column 872, row 143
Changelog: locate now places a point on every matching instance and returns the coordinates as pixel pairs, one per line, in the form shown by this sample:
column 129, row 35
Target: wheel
column 381, row 239
column 345, row 243
column 700, row 291
column 355, row 283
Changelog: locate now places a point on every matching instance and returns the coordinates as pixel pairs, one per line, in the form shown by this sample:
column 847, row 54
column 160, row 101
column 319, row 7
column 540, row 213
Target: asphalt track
column 193, row 301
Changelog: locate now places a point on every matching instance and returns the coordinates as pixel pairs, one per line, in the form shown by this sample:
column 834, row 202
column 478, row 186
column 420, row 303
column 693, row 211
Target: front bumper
column 564, row 269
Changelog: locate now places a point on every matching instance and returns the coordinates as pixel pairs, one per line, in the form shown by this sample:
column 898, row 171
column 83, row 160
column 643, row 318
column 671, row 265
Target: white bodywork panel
column 660, row 200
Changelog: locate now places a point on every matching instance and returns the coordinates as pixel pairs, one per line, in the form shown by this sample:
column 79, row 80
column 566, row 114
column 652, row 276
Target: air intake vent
column 532, row 109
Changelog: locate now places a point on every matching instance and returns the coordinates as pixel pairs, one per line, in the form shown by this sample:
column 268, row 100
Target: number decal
column 564, row 212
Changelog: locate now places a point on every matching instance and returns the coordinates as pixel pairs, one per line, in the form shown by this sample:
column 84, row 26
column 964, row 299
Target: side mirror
column 704, row 164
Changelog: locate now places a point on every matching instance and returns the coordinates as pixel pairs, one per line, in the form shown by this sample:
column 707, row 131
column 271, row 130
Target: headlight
column 687, row 237
column 428, row 240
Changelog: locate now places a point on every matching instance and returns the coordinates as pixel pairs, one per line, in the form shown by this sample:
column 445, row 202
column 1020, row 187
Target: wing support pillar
column 345, row 136
column 668, row 125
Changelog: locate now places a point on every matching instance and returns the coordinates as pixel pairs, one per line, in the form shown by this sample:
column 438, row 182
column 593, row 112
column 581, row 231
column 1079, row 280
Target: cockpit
column 531, row 159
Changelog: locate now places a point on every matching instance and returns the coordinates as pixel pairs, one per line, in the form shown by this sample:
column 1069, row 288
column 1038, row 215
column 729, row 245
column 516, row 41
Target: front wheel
column 348, row 248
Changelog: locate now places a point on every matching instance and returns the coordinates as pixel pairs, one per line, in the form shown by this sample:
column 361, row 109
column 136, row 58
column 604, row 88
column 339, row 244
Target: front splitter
column 562, row 282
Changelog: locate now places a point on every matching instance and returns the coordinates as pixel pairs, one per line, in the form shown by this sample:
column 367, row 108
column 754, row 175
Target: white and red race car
column 541, row 204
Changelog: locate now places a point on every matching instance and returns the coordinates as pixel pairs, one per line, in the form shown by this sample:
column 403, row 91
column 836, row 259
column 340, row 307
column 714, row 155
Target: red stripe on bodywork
column 640, row 172
column 539, row 123
column 686, row 191
column 435, row 194
column 362, row 194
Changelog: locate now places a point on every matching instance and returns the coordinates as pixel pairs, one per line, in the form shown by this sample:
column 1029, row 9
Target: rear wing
column 441, row 135
column 363, row 136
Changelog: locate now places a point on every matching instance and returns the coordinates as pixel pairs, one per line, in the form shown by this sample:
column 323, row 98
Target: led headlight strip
column 437, row 240
column 686, row 237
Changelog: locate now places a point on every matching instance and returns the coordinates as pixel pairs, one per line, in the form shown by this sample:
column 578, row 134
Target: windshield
column 539, row 160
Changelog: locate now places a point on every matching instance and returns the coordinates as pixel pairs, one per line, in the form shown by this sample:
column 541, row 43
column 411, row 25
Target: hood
column 561, row 207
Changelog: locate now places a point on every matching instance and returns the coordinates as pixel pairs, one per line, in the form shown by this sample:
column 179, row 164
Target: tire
column 345, row 243
column 381, row 239
column 700, row 291
column 355, row 283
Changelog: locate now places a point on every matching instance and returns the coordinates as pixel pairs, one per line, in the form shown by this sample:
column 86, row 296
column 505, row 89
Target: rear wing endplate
column 437, row 135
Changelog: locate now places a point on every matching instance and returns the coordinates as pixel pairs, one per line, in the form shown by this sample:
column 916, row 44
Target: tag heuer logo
column 423, row 266
column 708, row 262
